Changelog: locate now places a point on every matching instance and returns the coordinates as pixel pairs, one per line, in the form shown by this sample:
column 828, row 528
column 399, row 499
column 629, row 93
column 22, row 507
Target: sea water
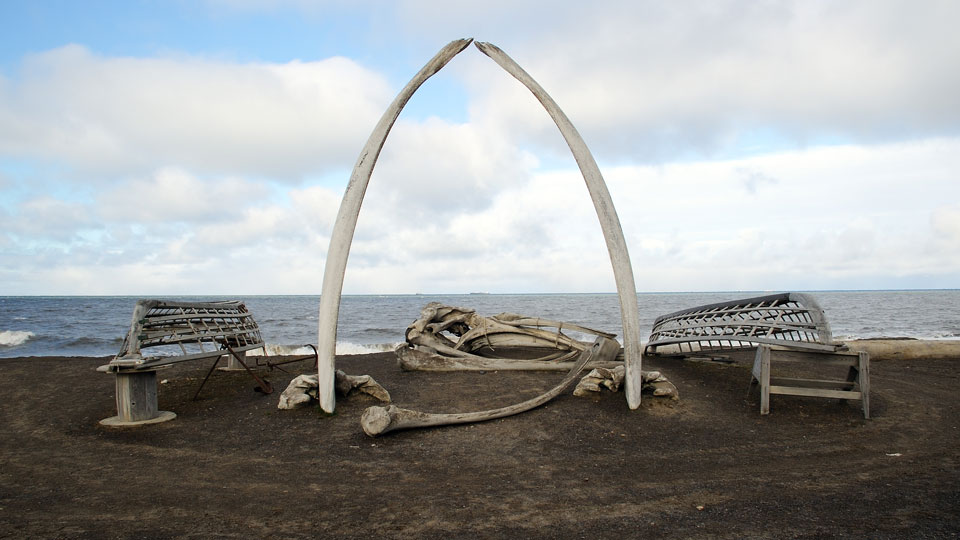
column 96, row 325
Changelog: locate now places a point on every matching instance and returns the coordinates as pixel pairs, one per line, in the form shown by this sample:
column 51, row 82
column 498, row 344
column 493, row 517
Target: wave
column 276, row 349
column 343, row 347
column 364, row 348
column 12, row 338
column 85, row 341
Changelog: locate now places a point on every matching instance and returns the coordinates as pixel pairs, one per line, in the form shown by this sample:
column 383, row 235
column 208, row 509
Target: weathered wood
column 201, row 330
column 863, row 378
column 137, row 400
column 813, row 383
column 791, row 320
column 814, row 392
column 763, row 355
column 380, row 420
column 856, row 385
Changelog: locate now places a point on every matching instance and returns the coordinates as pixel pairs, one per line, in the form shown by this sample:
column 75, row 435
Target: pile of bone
column 303, row 390
column 611, row 379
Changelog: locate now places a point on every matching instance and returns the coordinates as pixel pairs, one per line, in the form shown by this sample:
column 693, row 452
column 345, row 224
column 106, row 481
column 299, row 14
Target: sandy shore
column 708, row 465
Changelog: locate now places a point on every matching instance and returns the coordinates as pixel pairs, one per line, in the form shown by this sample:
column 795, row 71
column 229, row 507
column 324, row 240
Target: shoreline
column 881, row 348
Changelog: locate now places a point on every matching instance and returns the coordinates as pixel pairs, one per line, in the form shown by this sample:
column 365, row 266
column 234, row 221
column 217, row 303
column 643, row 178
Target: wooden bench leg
column 864, row 368
column 761, row 372
column 232, row 364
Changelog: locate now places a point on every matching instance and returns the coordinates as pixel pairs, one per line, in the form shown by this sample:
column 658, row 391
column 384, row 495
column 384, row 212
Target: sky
column 202, row 147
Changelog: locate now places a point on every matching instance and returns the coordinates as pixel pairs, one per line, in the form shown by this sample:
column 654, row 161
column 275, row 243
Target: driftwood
column 345, row 224
column 379, row 420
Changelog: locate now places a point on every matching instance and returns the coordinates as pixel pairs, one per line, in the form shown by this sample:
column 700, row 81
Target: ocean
column 96, row 325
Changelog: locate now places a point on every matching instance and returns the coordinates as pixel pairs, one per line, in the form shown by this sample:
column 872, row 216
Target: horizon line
column 478, row 293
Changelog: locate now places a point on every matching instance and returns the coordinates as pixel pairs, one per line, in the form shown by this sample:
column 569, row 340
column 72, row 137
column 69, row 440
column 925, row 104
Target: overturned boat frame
column 200, row 330
column 783, row 328
column 794, row 320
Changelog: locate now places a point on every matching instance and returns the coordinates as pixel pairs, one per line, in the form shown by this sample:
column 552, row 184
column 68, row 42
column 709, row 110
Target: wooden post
column 232, row 364
column 864, row 377
column 761, row 370
column 137, row 400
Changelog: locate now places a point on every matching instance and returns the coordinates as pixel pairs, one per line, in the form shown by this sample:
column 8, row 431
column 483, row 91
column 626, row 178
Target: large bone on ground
column 379, row 420
column 304, row 388
column 298, row 392
column 662, row 389
column 415, row 359
column 515, row 319
column 345, row 384
column 611, row 379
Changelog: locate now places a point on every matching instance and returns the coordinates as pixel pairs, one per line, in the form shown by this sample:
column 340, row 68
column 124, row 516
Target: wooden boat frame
column 793, row 320
column 201, row 330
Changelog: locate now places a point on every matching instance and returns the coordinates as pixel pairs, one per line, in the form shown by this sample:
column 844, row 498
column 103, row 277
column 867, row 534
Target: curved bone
column 379, row 420
column 346, row 224
column 412, row 359
column 514, row 319
column 609, row 222
column 427, row 344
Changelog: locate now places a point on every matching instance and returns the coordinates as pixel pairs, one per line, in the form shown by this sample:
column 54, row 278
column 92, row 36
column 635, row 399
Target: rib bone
column 417, row 359
column 607, row 214
column 346, row 222
column 379, row 420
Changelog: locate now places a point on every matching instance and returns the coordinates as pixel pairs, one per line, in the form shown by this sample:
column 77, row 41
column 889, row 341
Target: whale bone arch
column 346, row 222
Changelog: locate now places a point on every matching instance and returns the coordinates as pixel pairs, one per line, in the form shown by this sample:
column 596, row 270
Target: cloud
column 174, row 195
column 657, row 82
column 116, row 115
column 945, row 221
column 50, row 219
column 437, row 169
column 746, row 145
column 836, row 217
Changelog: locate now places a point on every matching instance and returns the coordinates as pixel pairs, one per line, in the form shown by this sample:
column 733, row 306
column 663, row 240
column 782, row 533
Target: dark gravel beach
column 708, row 465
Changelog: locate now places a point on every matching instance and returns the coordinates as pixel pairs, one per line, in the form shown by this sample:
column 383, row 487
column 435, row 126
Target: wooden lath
column 199, row 329
column 793, row 320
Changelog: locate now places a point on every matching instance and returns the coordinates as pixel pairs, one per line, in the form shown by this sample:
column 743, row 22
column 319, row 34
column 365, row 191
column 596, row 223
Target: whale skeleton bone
column 428, row 347
column 379, row 420
column 345, row 223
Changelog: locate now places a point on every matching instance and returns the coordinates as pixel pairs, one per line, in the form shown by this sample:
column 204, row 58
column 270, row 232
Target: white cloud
column 132, row 115
column 654, row 81
column 835, row 217
column 439, row 167
column 51, row 219
column 174, row 195
column 186, row 174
